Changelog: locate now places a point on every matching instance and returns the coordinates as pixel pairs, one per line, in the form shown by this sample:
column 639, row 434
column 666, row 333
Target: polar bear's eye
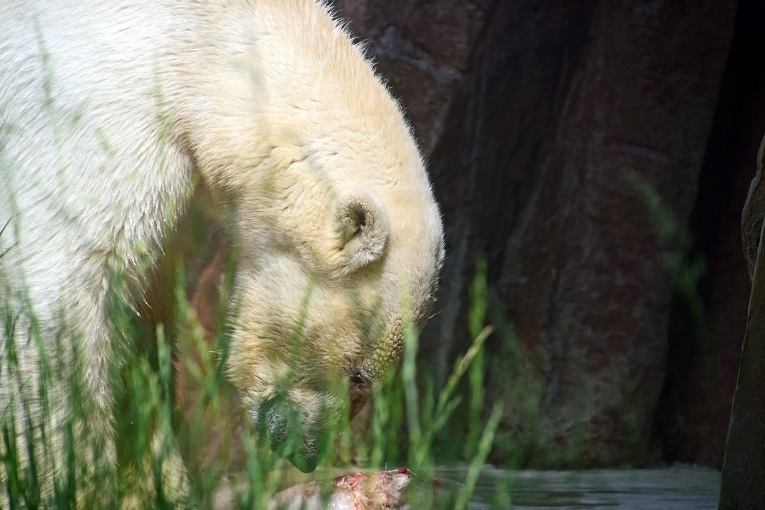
column 357, row 379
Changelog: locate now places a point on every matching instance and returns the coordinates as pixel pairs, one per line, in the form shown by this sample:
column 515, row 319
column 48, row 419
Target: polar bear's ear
column 363, row 227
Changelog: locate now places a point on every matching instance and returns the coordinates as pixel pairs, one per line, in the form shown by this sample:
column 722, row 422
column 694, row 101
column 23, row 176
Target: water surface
column 672, row 488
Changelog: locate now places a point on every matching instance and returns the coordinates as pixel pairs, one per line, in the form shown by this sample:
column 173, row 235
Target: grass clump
column 181, row 440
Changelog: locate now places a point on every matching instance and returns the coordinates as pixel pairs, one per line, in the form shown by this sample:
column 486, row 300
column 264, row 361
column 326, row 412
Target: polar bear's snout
column 291, row 431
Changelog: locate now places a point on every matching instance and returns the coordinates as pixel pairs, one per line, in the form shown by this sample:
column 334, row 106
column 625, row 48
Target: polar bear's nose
column 307, row 457
column 281, row 424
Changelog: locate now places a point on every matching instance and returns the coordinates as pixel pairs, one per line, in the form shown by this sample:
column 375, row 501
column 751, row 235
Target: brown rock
column 535, row 114
column 703, row 363
column 743, row 476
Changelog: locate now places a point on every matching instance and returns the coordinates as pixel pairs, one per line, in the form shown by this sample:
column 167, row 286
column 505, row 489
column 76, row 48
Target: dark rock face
column 565, row 142
column 695, row 408
column 743, row 474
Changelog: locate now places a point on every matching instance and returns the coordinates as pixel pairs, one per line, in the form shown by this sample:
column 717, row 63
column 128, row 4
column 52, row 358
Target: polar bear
column 109, row 111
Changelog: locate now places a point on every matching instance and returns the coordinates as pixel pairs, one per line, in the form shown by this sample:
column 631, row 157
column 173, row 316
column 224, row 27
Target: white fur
column 108, row 108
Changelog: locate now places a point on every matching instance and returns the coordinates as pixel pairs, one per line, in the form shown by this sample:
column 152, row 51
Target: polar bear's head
column 346, row 250
column 339, row 239
column 322, row 311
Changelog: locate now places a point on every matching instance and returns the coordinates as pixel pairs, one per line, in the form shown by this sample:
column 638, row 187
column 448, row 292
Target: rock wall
column 566, row 141
column 695, row 409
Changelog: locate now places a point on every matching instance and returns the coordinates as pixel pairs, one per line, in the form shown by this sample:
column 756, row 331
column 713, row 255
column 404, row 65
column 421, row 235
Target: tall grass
column 158, row 429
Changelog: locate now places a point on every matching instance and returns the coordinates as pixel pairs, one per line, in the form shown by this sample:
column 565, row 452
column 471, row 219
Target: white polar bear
column 109, row 110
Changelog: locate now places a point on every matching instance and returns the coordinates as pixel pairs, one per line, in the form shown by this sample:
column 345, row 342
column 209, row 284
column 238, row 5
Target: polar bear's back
column 85, row 159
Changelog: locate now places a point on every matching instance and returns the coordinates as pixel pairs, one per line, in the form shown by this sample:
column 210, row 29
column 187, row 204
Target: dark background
column 597, row 154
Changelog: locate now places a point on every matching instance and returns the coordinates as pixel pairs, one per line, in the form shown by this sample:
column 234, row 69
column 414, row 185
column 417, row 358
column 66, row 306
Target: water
column 674, row 488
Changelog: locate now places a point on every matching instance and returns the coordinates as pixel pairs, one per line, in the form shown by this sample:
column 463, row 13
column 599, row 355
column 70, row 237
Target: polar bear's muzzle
column 284, row 425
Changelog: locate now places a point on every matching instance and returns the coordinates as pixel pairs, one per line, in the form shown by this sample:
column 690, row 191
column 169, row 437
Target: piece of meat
column 382, row 490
